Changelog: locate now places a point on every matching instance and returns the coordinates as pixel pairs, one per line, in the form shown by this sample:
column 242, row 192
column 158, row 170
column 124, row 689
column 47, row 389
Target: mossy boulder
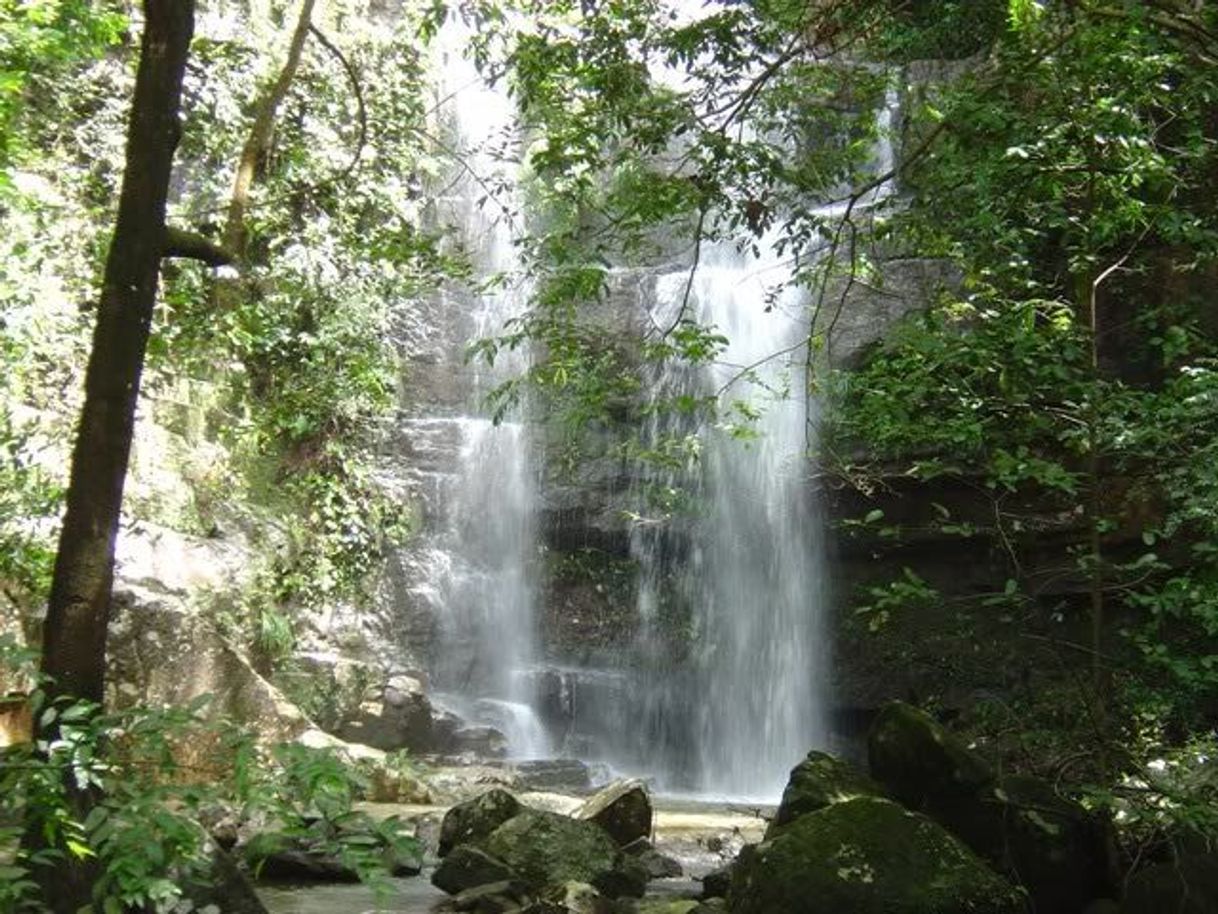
column 918, row 761
column 468, row 868
column 1022, row 826
column 1053, row 847
column 867, row 856
column 545, row 848
column 819, row 781
column 622, row 809
column 474, row 820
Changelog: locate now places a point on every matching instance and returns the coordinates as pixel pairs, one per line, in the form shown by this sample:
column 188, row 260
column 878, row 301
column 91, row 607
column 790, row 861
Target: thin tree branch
column 259, row 138
column 357, row 90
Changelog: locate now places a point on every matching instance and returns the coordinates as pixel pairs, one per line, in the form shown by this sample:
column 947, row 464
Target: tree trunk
column 78, row 612
column 259, row 139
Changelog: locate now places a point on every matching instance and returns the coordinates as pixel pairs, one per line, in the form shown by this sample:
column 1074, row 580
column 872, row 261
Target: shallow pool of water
column 410, row 896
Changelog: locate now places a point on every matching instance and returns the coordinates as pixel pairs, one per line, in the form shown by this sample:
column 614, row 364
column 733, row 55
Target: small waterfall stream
column 757, row 584
column 746, row 560
column 478, row 568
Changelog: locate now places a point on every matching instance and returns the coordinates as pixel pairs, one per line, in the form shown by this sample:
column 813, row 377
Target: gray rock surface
column 622, row 809
column 473, row 821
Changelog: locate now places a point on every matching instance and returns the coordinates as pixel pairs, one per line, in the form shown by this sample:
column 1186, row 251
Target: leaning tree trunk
column 259, row 139
column 74, row 637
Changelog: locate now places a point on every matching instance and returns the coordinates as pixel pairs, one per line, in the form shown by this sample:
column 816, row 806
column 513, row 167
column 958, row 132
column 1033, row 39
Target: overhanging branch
column 193, row 246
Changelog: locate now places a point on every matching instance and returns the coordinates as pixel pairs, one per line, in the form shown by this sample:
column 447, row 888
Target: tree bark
column 78, row 611
column 259, row 139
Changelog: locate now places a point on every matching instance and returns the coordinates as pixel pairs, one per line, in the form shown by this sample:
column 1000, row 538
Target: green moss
column 819, row 781
column 916, row 759
column 543, row 848
column 867, row 856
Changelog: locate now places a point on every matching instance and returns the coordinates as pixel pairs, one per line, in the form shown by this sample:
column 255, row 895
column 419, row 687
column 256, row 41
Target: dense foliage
column 1072, row 369
column 157, row 774
column 276, row 392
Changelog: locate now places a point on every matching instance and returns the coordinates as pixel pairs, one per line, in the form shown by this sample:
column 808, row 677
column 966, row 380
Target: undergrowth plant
column 151, row 775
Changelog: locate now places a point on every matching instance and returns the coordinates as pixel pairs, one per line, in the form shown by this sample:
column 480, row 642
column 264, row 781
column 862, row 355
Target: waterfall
column 751, row 571
column 475, row 565
column 760, row 592
column 722, row 690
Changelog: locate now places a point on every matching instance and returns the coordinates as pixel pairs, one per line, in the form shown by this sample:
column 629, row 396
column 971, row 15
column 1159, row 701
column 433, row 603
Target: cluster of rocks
column 245, row 852
column 931, row 828
column 402, row 716
column 934, row 830
column 499, row 856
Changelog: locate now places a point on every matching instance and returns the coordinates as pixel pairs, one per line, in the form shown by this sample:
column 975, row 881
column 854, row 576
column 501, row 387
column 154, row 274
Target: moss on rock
column 819, row 781
column 543, row 848
column 474, row 820
column 867, row 856
column 918, row 761
column 1052, row 846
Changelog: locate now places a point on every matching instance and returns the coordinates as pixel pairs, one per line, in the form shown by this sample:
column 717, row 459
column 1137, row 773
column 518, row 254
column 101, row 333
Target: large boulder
column 816, row 782
column 657, row 865
column 1050, row 845
column 468, row 868
column 1188, row 885
column 918, row 761
column 622, row 809
column 474, row 820
column 867, row 856
column 163, row 651
column 545, row 848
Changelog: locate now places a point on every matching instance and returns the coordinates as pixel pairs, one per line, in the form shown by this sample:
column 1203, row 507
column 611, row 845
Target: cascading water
column 478, row 555
column 759, row 596
column 727, row 699
column 734, row 717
